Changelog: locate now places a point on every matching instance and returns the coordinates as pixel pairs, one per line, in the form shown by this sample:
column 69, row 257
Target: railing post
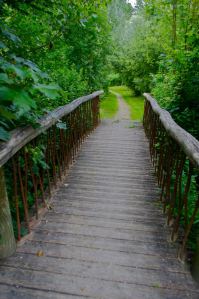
column 195, row 264
column 7, row 239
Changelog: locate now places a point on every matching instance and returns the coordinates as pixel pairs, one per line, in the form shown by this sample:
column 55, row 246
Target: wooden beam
column 20, row 137
column 188, row 143
column 7, row 239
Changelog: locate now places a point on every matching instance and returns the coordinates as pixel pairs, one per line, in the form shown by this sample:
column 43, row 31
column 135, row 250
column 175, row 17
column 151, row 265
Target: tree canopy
column 51, row 53
column 54, row 51
column 159, row 53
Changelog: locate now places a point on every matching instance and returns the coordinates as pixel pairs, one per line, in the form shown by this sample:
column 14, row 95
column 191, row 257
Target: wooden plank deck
column 105, row 236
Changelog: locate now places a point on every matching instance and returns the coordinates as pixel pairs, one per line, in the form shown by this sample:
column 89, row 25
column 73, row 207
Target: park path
column 123, row 109
column 104, row 236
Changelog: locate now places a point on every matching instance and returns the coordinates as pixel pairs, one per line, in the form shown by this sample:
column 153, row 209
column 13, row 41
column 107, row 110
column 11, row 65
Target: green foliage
column 108, row 106
column 119, row 12
column 19, row 86
column 37, row 154
column 137, row 51
column 114, row 79
column 68, row 40
column 175, row 85
column 71, row 41
column 159, row 53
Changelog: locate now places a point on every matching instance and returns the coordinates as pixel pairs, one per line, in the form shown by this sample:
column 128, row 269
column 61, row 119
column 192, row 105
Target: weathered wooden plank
column 150, row 198
column 164, row 279
column 116, row 176
column 106, row 223
column 148, row 221
column 134, row 200
column 118, row 191
column 101, row 256
column 139, row 233
column 125, row 214
column 136, row 203
column 113, row 183
column 19, row 291
column 107, row 215
column 94, row 288
column 110, row 206
column 110, row 244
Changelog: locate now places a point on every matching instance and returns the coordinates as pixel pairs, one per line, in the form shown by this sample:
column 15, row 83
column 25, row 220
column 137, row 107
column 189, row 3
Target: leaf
column 4, row 112
column 2, row 45
column 94, row 15
column 196, row 221
column 5, row 79
column 6, row 94
column 11, row 36
column 44, row 165
column 50, row 91
column 49, row 206
column 5, row 125
column 19, row 98
column 17, row 59
column 35, row 68
column 40, row 253
column 83, row 21
column 4, row 135
column 21, row 73
column 61, row 126
column 31, row 65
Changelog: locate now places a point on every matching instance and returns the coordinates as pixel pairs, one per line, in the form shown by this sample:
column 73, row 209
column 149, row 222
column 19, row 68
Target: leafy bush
column 69, row 41
column 21, row 85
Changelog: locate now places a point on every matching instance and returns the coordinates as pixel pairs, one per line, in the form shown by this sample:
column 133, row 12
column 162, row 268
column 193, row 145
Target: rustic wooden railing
column 175, row 156
column 34, row 160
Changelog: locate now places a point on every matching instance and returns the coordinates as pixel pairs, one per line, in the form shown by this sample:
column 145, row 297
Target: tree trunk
column 7, row 239
column 174, row 27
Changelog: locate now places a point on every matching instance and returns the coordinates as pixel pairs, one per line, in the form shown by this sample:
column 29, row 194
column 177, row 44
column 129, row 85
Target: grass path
column 110, row 105
column 136, row 104
column 123, row 108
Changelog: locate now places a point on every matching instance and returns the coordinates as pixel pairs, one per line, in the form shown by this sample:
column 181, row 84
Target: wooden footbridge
column 106, row 212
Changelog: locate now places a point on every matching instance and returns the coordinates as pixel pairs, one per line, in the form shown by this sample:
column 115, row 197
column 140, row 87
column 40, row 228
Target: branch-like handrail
column 20, row 137
column 175, row 156
column 35, row 159
column 186, row 141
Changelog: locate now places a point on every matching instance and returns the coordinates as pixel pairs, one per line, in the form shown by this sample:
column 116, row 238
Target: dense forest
column 157, row 50
column 54, row 51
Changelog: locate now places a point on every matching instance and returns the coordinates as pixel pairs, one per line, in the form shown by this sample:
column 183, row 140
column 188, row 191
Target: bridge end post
column 7, row 239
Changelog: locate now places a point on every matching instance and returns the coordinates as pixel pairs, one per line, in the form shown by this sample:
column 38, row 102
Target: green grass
column 136, row 104
column 108, row 106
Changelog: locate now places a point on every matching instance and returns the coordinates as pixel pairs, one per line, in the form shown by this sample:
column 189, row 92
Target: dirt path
column 123, row 108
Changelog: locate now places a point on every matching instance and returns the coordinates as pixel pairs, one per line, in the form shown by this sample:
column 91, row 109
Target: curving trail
column 123, row 109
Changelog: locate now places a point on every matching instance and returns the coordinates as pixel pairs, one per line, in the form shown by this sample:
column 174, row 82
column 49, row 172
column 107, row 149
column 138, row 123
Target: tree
column 67, row 39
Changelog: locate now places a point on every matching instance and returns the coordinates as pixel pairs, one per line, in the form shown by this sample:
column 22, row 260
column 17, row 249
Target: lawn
column 108, row 106
column 136, row 104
